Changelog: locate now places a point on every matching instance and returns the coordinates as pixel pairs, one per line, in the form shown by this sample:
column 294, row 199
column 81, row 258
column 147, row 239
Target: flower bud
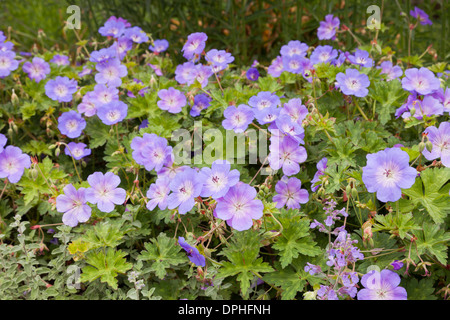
column 429, row 146
column 421, row 146
column 412, row 111
column 354, row 193
column 348, row 190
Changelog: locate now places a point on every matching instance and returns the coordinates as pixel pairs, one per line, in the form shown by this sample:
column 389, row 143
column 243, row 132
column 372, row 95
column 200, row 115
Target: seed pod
column 429, row 146
column 412, row 111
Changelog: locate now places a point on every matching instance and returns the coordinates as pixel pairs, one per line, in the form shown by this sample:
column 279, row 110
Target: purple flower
column 440, row 139
column 194, row 45
column 361, row 58
column 264, row 99
column 237, row 118
column 286, row 153
column 202, row 74
column 185, row 73
column 60, row 60
column 136, row 34
column 284, row 126
column 429, row 106
column 387, row 172
column 289, row 193
column 112, row 28
column 392, row 72
column 201, row 102
column 276, row 67
column 61, row 89
column 119, row 19
column 71, row 124
column 113, row 112
column 121, row 47
column 186, row 186
column 219, row 59
column 381, row 286
column 157, row 193
column 295, row 109
column 421, row 81
column 294, row 64
column 353, row 83
column 239, row 206
column 151, row 151
column 77, row 150
column 252, row 74
column 110, row 73
column 159, row 45
column 294, row 47
column 328, row 28
column 13, row 163
column 321, row 167
column 420, row 15
column 2, row 36
column 323, row 54
column 443, row 97
column 103, row 191
column 397, row 265
column 103, row 55
column 73, row 204
column 3, row 141
column 37, row 70
column 267, row 115
column 87, row 105
column 172, row 100
column 104, row 95
column 194, row 255
column 219, row 179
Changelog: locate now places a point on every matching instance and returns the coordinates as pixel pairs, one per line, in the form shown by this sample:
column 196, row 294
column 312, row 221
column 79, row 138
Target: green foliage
column 105, row 266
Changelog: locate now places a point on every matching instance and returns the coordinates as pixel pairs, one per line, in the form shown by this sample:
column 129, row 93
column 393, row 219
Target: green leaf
column 242, row 254
column 389, row 95
column 295, row 239
column 431, row 192
column 106, row 267
column 163, row 252
column 104, row 234
column 292, row 279
column 433, row 240
column 397, row 224
column 420, row 289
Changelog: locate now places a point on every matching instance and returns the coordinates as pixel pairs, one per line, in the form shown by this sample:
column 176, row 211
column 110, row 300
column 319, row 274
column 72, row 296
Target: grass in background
column 249, row 29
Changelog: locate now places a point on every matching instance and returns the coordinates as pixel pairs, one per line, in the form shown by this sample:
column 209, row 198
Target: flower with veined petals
column 239, row 207
column 440, row 139
column 13, row 163
column 289, row 193
column 218, row 179
column 157, row 194
column 186, row 186
column 73, row 204
column 103, row 191
column 387, row 172
column 381, row 286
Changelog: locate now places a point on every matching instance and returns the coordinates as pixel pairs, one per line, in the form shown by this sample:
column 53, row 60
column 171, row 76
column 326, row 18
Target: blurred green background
column 248, row 29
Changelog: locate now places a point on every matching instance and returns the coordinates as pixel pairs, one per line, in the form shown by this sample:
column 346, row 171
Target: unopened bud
column 354, row 193
column 429, row 146
column 57, row 152
column 14, row 98
column 421, row 146
column 412, row 111
column 348, row 190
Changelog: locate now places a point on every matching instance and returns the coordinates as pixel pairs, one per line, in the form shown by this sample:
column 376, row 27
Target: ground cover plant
column 130, row 171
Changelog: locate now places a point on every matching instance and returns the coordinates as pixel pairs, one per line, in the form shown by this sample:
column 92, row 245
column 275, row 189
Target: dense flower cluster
column 107, row 97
